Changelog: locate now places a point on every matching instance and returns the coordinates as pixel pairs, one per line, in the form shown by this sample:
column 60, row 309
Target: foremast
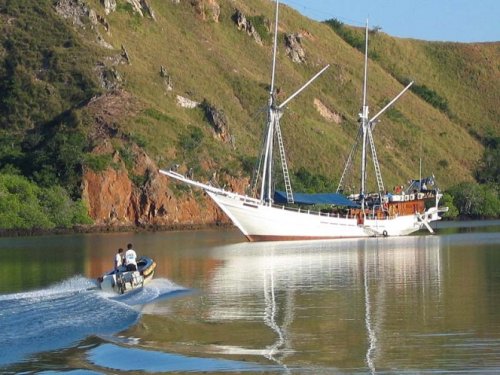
column 272, row 122
column 273, row 130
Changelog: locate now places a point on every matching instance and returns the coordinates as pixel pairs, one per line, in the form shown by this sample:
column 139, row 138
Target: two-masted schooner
column 272, row 215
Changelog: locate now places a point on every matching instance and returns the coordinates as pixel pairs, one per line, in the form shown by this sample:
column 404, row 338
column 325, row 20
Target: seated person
column 119, row 261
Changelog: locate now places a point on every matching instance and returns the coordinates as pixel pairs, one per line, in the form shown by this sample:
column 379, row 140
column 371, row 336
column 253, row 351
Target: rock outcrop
column 109, row 78
column 186, row 102
column 138, row 6
column 105, row 193
column 83, row 16
column 74, row 10
column 103, row 22
column 294, row 48
column 125, row 55
column 246, row 25
column 207, row 9
column 109, row 6
column 148, row 9
column 217, row 118
column 326, row 113
column 167, row 79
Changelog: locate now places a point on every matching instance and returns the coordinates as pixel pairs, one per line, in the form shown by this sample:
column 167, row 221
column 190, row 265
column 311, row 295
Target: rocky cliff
column 116, row 199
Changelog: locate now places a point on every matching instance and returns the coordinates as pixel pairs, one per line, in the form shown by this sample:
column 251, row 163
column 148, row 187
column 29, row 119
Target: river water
column 420, row 304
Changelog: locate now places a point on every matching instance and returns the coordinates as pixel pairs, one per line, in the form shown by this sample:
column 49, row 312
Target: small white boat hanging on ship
column 270, row 216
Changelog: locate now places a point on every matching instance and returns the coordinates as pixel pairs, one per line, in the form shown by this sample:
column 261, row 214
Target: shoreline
column 89, row 229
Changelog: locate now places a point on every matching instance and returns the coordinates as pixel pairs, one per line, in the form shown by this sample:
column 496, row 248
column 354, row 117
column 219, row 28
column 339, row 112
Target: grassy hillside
column 215, row 62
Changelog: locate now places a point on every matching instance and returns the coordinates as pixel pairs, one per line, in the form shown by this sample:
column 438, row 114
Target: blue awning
column 321, row 198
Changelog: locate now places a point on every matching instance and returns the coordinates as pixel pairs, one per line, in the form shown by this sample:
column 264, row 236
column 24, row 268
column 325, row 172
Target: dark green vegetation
column 48, row 76
column 354, row 37
column 488, row 171
column 25, row 205
column 481, row 198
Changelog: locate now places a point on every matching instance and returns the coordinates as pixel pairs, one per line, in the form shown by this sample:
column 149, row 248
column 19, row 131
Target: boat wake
column 156, row 289
column 67, row 312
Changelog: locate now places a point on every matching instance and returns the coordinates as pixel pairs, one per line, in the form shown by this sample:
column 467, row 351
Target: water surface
column 419, row 304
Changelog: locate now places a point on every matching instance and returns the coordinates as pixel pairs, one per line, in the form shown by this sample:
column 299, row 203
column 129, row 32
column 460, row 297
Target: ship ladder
column 286, row 175
column 376, row 165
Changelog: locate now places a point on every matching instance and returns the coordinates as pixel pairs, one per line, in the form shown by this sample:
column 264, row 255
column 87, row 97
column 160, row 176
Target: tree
column 24, row 205
column 447, row 201
column 489, row 168
column 19, row 205
column 476, row 201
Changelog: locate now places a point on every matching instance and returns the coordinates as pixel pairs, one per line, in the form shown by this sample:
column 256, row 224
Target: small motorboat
column 123, row 281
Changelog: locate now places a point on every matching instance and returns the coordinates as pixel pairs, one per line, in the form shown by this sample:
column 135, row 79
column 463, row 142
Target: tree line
column 481, row 198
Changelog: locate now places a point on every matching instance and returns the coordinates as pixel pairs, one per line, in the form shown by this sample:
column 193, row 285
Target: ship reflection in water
column 275, row 281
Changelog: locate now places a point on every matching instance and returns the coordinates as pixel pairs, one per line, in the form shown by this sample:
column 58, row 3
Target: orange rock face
column 108, row 195
column 114, row 200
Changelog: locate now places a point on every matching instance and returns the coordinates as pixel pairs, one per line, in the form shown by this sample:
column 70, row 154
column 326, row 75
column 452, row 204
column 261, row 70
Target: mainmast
column 365, row 136
column 364, row 124
column 266, row 188
column 274, row 112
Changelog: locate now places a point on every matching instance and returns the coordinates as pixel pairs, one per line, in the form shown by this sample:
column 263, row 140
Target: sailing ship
column 280, row 215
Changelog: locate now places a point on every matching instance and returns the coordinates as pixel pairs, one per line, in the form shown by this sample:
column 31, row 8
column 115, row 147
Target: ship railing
column 251, row 200
column 369, row 216
column 326, row 214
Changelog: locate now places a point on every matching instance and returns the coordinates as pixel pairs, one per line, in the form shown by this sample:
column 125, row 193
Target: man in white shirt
column 130, row 258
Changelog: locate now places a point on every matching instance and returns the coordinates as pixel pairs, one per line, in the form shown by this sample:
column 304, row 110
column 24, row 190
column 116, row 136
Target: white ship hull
column 260, row 222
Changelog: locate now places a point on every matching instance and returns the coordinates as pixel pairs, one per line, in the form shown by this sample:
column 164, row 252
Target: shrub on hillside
column 353, row 37
column 431, row 97
column 308, row 182
column 190, row 142
column 489, row 168
column 19, row 204
column 447, row 201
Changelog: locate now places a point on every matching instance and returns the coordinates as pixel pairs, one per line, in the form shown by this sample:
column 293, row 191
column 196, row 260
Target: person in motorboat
column 131, row 275
column 119, row 260
column 130, row 258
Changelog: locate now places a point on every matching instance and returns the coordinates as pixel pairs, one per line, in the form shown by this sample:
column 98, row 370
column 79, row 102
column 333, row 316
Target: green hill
column 78, row 85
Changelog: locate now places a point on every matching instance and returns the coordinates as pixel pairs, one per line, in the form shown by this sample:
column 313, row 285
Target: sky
column 437, row 20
